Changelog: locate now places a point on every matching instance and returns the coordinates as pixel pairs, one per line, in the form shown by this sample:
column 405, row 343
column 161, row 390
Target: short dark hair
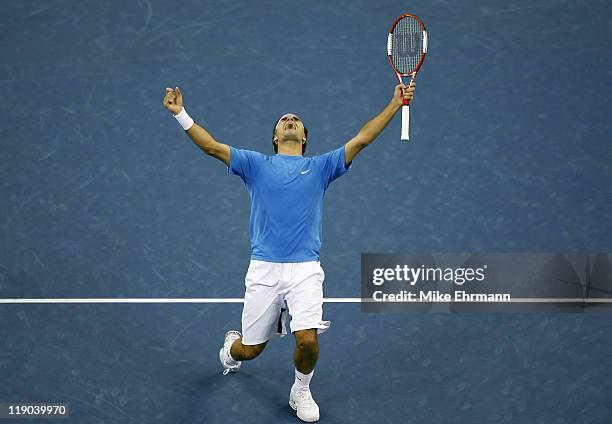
column 276, row 145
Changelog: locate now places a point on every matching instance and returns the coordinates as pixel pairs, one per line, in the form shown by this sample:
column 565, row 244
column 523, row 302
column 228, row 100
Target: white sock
column 302, row 381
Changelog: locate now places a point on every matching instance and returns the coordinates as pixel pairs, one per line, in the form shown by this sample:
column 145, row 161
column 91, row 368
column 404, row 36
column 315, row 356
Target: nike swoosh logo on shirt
column 305, row 172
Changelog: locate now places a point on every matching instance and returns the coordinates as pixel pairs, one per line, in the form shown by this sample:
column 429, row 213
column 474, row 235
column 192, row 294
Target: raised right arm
column 208, row 144
column 173, row 101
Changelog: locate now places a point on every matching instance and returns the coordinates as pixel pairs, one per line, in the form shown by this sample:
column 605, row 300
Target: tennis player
column 284, row 273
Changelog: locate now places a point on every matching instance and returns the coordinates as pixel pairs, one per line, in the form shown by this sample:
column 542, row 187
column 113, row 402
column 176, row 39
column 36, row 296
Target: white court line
column 160, row 300
column 241, row 300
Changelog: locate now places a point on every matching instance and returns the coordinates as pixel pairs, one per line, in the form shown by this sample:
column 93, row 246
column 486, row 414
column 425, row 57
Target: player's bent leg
column 242, row 352
column 233, row 352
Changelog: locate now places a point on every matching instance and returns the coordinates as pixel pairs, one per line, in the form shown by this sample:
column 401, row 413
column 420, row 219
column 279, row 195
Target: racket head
column 407, row 45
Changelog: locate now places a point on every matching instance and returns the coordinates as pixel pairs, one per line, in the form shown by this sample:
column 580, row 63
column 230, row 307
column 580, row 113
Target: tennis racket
column 407, row 47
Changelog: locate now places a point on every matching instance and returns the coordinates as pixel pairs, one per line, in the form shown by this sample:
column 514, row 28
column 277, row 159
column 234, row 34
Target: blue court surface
column 104, row 196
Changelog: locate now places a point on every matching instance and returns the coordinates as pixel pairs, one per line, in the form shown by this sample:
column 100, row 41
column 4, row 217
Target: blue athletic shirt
column 286, row 201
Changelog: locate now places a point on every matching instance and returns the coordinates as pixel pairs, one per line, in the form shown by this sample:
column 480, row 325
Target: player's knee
column 307, row 342
column 253, row 351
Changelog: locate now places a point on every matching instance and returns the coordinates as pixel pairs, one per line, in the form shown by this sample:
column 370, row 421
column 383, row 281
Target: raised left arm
column 374, row 126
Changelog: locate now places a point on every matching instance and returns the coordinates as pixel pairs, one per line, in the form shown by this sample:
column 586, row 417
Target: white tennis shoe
column 301, row 401
column 229, row 364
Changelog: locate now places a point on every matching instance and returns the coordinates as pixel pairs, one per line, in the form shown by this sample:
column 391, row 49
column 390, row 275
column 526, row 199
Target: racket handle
column 405, row 123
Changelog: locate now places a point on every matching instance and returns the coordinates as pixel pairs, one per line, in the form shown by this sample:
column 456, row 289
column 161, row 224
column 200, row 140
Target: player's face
column 290, row 127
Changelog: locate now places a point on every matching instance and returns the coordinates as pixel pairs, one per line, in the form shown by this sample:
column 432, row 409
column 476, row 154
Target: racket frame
column 412, row 74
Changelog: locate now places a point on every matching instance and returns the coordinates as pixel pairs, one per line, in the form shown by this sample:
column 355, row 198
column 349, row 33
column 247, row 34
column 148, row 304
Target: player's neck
column 290, row 148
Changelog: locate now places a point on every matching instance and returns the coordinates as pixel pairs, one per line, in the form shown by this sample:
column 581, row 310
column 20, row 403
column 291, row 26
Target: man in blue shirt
column 284, row 274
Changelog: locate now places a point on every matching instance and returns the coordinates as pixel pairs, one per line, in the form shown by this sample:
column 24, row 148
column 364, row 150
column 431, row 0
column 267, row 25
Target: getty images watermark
column 486, row 282
column 422, row 275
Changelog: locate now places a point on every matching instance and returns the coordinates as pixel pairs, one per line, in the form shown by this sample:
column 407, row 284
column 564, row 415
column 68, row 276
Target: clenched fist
column 403, row 92
column 173, row 100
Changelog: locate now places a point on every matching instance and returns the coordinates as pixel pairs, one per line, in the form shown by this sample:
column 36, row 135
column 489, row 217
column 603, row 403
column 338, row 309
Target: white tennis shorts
column 272, row 290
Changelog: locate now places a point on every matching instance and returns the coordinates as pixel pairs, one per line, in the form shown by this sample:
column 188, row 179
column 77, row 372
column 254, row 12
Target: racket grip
column 405, row 123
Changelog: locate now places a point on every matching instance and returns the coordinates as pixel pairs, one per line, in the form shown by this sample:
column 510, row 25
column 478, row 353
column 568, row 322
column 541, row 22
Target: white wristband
column 184, row 119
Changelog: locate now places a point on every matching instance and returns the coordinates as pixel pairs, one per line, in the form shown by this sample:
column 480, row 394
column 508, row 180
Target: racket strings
column 407, row 45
